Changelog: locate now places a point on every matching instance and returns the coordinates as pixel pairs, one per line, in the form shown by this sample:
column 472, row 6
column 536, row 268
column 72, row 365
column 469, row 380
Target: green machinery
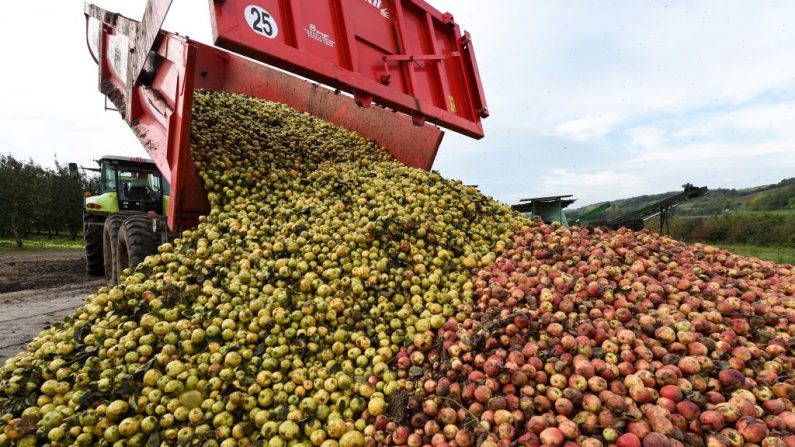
column 125, row 222
column 549, row 209
column 588, row 217
column 663, row 208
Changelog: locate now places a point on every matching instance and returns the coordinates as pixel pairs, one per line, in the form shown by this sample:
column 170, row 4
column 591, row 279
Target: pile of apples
column 600, row 338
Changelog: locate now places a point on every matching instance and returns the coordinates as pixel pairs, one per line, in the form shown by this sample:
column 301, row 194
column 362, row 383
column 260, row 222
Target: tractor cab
column 129, row 184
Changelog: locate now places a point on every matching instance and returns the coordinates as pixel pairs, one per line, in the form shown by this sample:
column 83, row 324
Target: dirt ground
column 40, row 269
column 37, row 289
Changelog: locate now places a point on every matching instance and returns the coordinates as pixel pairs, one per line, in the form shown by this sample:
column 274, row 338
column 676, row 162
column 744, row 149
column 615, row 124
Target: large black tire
column 136, row 242
column 110, row 236
column 92, row 236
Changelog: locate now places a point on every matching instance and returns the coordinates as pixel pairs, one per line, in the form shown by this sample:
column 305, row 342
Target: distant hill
column 779, row 197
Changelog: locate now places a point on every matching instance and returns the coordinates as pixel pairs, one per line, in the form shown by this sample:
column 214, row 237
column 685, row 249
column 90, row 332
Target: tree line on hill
column 40, row 200
column 766, row 229
column 778, row 198
column 763, row 215
column 774, row 197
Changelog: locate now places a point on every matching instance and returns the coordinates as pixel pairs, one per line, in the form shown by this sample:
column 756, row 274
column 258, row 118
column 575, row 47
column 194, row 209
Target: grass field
column 42, row 243
column 781, row 255
column 784, row 212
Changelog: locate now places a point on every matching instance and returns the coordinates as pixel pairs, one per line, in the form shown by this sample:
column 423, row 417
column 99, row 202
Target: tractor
column 125, row 222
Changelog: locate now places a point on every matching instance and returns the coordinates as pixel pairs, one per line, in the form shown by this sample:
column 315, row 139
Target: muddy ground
column 37, row 289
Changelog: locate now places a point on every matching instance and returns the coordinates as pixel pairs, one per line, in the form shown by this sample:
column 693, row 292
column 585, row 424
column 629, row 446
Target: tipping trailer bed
column 403, row 55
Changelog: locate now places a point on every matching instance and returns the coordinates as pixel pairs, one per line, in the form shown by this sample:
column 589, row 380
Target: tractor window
column 139, row 185
column 108, row 178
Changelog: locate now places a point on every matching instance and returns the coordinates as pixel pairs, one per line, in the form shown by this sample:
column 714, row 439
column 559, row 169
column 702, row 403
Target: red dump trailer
column 391, row 70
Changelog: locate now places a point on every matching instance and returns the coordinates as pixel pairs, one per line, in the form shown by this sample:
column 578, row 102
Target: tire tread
column 92, row 236
column 137, row 240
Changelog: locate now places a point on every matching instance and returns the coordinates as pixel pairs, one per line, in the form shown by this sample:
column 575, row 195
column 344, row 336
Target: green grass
column 787, row 212
column 42, row 243
column 782, row 212
column 781, row 255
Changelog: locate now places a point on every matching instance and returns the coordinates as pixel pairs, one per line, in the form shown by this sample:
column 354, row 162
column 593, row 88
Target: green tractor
column 126, row 222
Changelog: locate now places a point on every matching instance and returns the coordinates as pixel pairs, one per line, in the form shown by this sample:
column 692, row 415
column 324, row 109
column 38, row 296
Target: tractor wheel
column 92, row 236
column 110, row 236
column 136, row 242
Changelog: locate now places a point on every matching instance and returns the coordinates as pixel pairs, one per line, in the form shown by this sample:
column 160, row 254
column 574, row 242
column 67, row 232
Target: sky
column 600, row 99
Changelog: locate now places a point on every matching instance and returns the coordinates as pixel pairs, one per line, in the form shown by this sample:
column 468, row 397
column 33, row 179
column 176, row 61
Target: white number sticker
column 261, row 21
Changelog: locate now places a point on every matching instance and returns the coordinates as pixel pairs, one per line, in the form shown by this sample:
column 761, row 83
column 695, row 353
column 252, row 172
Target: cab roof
column 123, row 159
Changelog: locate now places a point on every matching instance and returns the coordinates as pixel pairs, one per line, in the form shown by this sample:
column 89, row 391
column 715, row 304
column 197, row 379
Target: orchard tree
column 33, row 198
column 20, row 198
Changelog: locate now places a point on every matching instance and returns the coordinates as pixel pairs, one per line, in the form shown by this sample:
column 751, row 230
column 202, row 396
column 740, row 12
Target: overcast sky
column 600, row 99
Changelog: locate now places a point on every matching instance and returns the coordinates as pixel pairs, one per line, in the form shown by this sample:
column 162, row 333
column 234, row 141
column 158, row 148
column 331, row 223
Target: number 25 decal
column 261, row 21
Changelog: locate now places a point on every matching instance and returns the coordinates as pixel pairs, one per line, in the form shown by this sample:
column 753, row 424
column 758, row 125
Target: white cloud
column 588, row 187
column 740, row 153
column 646, row 137
column 748, row 134
column 588, row 127
column 775, row 120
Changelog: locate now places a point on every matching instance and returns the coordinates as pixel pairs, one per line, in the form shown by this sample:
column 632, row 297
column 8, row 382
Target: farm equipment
column 663, row 208
column 132, row 193
column 588, row 218
column 549, row 209
column 403, row 64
